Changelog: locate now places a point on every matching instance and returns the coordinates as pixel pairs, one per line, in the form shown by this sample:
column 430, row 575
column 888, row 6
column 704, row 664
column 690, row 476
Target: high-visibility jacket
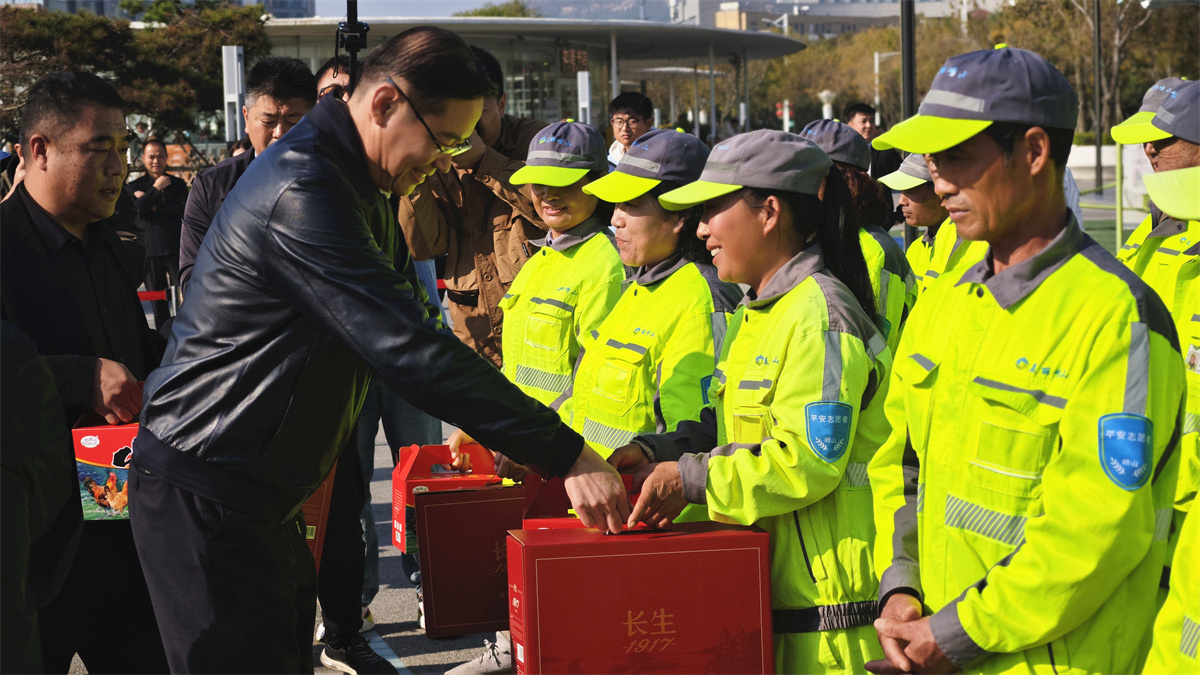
column 648, row 365
column 952, row 253
column 795, row 416
column 1177, row 628
column 1025, row 491
column 1165, row 253
column 892, row 281
column 563, row 291
column 920, row 254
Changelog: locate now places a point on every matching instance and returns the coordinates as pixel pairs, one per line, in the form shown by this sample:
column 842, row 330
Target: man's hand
column 470, row 159
column 18, row 176
column 116, row 394
column 138, row 194
column 462, row 461
column 162, row 182
column 506, row 468
column 921, row 651
column 662, row 497
column 900, row 608
column 629, row 458
column 596, row 492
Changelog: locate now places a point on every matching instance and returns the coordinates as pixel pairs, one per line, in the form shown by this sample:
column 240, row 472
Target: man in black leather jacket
column 294, row 303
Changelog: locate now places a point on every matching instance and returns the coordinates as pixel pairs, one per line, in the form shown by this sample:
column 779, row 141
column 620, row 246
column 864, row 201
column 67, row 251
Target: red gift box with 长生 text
column 692, row 599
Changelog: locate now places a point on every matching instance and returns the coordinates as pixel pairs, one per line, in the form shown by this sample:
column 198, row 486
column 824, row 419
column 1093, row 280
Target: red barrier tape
column 147, row 296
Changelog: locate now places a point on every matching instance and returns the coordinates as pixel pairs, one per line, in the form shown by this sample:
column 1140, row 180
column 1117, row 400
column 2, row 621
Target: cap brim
column 900, row 181
column 695, row 193
column 1138, row 129
column 619, row 187
column 1177, row 192
column 925, row 134
column 554, row 176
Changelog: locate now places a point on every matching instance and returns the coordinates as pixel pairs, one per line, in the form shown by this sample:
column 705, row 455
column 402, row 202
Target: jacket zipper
column 803, row 548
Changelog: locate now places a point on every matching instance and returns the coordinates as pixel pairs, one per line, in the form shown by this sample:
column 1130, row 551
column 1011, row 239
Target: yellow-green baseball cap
column 561, row 154
column 658, row 155
column 1176, row 192
column 767, row 159
column 913, row 171
column 1138, row 129
column 974, row 90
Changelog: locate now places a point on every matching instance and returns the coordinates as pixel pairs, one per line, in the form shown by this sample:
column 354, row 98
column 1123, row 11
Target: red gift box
column 316, row 516
column 547, row 497
column 464, row 570
column 415, row 472
column 693, row 599
column 102, row 454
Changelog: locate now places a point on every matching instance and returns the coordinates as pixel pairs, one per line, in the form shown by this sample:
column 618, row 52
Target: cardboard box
column 415, row 473
column 464, row 570
column 693, row 599
column 102, row 455
column 316, row 516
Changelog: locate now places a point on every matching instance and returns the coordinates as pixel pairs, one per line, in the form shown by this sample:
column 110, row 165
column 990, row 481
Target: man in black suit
column 159, row 198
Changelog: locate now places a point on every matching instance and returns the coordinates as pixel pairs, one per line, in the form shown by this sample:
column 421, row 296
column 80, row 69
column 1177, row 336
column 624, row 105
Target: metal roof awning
column 642, row 40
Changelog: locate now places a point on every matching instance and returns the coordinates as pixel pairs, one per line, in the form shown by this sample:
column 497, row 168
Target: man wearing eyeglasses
column 333, row 78
column 279, row 91
column 631, row 115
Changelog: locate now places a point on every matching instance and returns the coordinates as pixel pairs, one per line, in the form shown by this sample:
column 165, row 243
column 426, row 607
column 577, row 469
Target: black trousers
column 162, row 271
column 103, row 610
column 339, row 586
column 233, row 593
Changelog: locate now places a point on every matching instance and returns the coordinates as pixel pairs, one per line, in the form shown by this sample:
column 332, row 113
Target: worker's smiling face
column 562, row 208
column 646, row 233
column 733, row 234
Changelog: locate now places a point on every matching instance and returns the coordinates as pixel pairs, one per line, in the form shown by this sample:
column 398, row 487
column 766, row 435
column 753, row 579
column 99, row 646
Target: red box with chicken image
column 102, row 454
column 692, row 599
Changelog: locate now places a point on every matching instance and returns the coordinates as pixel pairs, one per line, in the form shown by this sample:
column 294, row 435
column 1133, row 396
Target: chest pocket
column 1017, row 434
column 918, row 373
column 623, row 377
column 749, row 400
column 547, row 331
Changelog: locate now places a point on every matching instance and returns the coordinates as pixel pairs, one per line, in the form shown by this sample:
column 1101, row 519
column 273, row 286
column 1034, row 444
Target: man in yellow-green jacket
column 921, row 208
column 1023, row 499
column 1165, row 249
column 1177, row 629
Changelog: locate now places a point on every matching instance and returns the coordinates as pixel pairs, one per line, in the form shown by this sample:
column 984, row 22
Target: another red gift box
column 693, row 599
column 415, row 473
column 464, row 570
column 102, row 455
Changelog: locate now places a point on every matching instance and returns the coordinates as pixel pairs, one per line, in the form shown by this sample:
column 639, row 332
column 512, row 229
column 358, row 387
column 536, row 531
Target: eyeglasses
column 337, row 90
column 626, row 122
column 450, row 150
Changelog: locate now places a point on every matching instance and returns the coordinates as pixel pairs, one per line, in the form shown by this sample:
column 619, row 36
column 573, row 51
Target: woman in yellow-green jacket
column 796, row 404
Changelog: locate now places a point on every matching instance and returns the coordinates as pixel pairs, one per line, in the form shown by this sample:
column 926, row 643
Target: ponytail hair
column 872, row 201
column 832, row 223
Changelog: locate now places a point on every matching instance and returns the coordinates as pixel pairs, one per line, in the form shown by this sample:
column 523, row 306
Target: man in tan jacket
column 478, row 220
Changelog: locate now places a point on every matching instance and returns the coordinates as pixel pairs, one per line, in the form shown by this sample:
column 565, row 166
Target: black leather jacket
column 294, row 301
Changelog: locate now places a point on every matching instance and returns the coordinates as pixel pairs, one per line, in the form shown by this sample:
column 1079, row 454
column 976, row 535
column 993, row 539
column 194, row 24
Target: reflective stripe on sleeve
column 1162, row 523
column 856, row 475
column 1187, row 641
column 1137, row 383
column 831, row 384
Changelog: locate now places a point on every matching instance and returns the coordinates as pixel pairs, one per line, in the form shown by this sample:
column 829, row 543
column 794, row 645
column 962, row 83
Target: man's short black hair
column 432, row 65
column 631, row 103
column 857, row 109
column 342, row 61
column 1007, row 133
column 281, row 78
column 491, row 67
column 55, row 102
column 154, row 141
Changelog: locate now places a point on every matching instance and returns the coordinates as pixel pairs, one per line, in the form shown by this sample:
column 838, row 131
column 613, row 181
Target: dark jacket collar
column 52, row 235
column 574, row 236
column 805, row 264
column 648, row 275
column 331, row 117
column 1015, row 283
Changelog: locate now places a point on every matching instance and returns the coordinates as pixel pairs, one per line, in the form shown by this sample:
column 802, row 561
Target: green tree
column 170, row 71
column 512, row 8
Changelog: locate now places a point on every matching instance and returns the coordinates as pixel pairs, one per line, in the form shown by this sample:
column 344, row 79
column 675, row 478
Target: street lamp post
column 880, row 55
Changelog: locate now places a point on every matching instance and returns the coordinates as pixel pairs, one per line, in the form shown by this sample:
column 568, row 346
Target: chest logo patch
column 828, row 427
column 1126, row 449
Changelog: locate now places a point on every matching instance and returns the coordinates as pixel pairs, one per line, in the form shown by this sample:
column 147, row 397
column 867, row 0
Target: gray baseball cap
column 1138, row 126
column 771, row 160
column 656, row 156
column 561, row 154
column 1178, row 116
column 972, row 91
column 840, row 142
column 913, row 171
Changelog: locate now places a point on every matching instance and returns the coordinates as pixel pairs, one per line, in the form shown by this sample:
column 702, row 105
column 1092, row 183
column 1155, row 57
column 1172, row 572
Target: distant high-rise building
column 289, row 9
column 101, row 7
column 281, row 9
